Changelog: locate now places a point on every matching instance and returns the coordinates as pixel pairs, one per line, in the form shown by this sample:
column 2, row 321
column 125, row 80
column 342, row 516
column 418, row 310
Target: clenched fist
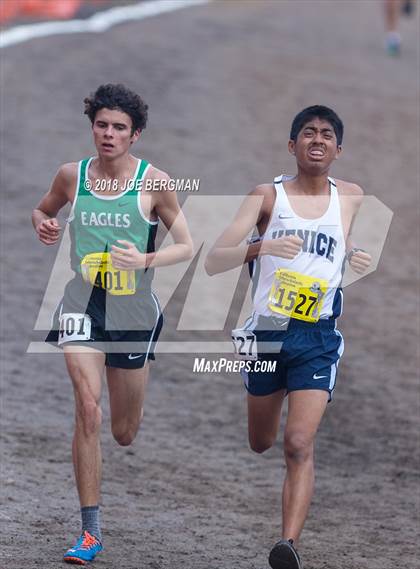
column 48, row 231
column 287, row 247
column 127, row 257
column 359, row 261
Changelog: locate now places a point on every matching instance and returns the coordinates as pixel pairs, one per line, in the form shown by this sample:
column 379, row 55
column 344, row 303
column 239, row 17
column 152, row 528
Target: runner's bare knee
column 125, row 430
column 88, row 409
column 298, row 447
column 88, row 416
column 261, row 444
column 124, row 434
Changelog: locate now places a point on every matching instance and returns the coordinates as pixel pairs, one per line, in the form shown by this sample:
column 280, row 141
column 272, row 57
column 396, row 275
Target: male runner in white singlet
column 109, row 319
column 296, row 260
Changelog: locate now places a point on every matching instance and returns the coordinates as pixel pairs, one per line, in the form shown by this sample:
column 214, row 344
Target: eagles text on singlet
column 105, row 219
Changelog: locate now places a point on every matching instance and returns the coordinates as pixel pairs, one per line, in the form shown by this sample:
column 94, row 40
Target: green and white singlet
column 98, row 221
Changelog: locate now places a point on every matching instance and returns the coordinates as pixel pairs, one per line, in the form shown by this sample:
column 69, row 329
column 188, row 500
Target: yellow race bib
column 98, row 270
column 297, row 296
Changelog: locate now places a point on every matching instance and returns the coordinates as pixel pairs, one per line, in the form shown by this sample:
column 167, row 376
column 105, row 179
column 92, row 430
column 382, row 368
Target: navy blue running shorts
column 304, row 355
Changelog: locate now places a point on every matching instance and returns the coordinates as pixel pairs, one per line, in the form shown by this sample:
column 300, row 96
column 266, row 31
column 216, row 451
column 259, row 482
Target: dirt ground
column 223, row 82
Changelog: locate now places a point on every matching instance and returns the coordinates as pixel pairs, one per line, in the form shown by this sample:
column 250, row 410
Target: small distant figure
column 393, row 9
column 408, row 7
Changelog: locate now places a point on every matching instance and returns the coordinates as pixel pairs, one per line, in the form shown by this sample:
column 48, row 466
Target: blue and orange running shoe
column 84, row 551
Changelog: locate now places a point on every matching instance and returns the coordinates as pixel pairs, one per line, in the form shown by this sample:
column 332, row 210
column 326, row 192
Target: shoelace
column 88, row 541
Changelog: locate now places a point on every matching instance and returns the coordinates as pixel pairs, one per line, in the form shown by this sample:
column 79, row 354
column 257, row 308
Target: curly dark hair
column 118, row 97
column 320, row 112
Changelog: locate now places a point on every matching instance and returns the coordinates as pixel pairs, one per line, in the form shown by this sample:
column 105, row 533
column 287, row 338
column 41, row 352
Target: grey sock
column 90, row 521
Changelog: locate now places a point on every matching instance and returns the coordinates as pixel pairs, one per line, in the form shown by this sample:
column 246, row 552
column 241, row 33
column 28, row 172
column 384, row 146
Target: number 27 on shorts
column 245, row 343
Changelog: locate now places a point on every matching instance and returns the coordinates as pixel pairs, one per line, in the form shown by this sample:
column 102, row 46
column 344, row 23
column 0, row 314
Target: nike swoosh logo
column 134, row 357
column 123, row 204
column 315, row 376
column 285, row 216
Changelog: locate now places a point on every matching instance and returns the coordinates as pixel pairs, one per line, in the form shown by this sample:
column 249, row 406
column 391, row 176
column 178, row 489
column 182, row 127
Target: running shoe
column 84, row 551
column 284, row 556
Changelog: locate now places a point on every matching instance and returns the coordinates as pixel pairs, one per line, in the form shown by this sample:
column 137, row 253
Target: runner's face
column 112, row 133
column 316, row 146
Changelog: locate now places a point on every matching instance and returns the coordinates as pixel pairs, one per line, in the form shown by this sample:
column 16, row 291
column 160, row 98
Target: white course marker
column 99, row 22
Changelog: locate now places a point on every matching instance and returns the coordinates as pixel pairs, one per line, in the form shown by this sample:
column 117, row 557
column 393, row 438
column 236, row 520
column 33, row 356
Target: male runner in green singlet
column 109, row 318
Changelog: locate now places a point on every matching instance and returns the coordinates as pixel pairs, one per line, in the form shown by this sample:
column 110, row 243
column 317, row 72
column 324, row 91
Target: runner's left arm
column 359, row 259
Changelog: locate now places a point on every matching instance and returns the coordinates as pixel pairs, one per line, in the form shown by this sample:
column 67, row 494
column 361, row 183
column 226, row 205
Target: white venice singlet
column 321, row 257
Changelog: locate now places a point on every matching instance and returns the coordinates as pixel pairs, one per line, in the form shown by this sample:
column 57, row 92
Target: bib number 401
column 74, row 327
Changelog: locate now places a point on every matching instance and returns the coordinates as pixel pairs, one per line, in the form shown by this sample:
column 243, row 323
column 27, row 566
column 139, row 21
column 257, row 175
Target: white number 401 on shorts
column 74, row 327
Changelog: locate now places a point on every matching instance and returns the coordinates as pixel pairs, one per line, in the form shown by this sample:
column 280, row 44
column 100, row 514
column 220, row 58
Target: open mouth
column 316, row 153
column 107, row 145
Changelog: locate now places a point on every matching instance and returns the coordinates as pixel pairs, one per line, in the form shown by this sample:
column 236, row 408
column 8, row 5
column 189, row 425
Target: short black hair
column 117, row 97
column 320, row 112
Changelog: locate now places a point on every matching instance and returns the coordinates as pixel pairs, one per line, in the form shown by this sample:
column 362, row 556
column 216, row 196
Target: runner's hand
column 360, row 261
column 287, row 247
column 48, row 231
column 128, row 257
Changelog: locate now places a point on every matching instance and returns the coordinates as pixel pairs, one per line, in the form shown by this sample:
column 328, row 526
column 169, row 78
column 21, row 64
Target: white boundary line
column 99, row 22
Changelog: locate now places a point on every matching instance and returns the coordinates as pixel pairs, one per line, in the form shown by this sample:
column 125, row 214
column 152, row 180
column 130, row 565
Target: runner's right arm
column 43, row 216
column 229, row 251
